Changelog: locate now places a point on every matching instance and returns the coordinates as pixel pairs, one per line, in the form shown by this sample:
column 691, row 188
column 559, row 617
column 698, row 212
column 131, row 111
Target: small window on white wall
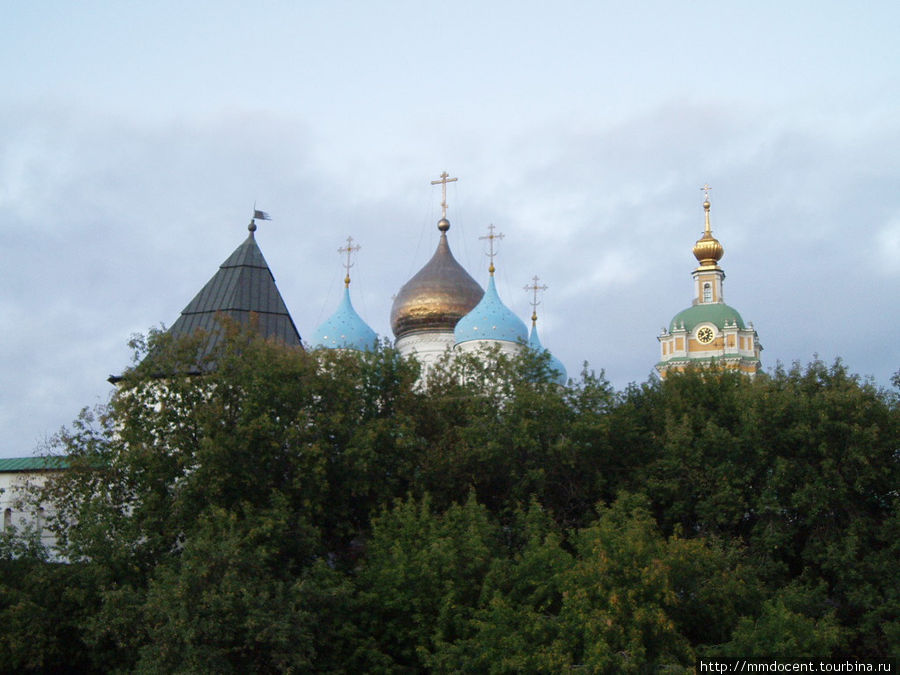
column 707, row 292
column 7, row 519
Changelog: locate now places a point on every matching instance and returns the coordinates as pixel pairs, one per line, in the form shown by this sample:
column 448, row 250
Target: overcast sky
column 136, row 137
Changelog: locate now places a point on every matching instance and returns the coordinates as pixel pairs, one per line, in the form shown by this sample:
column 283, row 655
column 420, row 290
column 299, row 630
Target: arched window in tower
column 707, row 292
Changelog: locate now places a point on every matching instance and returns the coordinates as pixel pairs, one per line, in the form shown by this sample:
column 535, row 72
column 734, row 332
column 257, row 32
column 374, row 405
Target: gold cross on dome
column 706, row 190
column 535, row 288
column 443, row 183
column 490, row 236
column 349, row 249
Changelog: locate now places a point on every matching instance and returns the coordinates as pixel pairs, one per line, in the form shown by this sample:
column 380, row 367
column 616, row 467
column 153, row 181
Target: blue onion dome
column 490, row 320
column 345, row 329
column 555, row 364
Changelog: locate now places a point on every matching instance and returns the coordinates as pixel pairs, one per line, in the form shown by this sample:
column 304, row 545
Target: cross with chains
column 349, row 249
column 443, row 183
column 491, row 237
column 535, row 288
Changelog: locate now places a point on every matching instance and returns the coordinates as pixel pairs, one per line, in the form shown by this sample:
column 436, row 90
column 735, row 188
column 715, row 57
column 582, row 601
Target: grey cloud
column 111, row 226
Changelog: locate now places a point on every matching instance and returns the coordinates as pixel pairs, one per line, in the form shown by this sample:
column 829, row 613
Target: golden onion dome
column 438, row 296
column 708, row 251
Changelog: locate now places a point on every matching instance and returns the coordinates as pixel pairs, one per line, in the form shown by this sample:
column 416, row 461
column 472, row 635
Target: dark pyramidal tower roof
column 243, row 286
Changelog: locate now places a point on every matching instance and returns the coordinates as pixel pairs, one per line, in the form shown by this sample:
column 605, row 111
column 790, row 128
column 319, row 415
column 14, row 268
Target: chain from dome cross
column 490, row 236
column 349, row 249
column 535, row 288
column 445, row 178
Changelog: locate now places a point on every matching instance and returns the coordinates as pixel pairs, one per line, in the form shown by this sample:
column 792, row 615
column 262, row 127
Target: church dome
column 490, row 320
column 717, row 313
column 708, row 251
column 555, row 364
column 345, row 329
column 438, row 296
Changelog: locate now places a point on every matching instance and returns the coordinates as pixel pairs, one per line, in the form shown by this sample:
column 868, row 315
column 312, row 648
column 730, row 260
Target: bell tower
column 708, row 332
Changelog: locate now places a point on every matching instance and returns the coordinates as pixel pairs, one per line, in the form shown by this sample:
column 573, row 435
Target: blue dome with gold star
column 345, row 329
column 490, row 320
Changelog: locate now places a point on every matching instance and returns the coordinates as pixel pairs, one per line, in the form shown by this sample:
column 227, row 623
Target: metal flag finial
column 257, row 215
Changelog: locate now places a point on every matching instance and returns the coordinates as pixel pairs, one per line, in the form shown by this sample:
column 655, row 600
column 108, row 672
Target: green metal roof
column 243, row 286
column 9, row 464
column 715, row 312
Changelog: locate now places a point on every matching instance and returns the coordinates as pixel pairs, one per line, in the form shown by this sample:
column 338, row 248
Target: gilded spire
column 706, row 188
column 349, row 249
column 708, row 250
column 443, row 223
column 535, row 289
column 490, row 236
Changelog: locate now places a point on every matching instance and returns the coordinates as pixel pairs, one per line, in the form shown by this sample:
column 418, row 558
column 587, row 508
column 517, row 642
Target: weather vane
column 535, row 288
column 443, row 183
column 349, row 249
column 491, row 237
column 257, row 215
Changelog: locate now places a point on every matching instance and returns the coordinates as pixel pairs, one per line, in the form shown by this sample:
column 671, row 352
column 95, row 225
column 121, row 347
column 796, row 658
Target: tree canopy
column 275, row 510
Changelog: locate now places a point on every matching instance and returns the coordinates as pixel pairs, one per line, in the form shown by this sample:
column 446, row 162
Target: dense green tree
column 182, row 470
column 796, row 623
column 423, row 577
column 801, row 466
column 228, row 601
column 503, row 427
column 603, row 607
column 41, row 604
column 612, row 597
column 515, row 627
column 619, row 595
column 264, row 509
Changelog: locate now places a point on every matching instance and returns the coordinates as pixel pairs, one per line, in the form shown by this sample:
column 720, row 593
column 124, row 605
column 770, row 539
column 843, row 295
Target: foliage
column 41, row 604
column 263, row 509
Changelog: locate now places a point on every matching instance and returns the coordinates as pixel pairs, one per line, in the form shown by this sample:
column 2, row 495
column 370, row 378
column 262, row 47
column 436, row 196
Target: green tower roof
column 717, row 313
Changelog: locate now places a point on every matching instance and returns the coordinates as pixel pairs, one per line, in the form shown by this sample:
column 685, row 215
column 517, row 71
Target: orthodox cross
column 443, row 183
column 706, row 190
column 490, row 237
column 535, row 288
column 349, row 249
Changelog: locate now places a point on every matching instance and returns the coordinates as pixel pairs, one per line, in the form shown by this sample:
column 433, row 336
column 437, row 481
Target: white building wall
column 475, row 346
column 15, row 510
column 428, row 348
